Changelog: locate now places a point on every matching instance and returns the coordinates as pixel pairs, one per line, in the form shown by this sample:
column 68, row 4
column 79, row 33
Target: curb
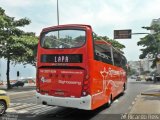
column 151, row 94
column 145, row 105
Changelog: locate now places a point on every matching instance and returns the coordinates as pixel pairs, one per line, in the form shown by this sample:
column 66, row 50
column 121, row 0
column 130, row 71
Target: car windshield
column 69, row 38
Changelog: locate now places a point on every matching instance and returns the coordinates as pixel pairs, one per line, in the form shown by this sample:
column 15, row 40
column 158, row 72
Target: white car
column 149, row 78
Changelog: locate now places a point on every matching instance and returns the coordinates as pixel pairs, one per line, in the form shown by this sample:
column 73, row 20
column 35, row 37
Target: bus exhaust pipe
column 44, row 103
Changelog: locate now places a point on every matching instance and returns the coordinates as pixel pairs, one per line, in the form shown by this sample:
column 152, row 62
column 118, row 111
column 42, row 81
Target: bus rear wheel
column 124, row 88
column 109, row 101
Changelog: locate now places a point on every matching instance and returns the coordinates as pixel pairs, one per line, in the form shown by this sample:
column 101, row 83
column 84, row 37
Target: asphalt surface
column 26, row 108
column 20, row 89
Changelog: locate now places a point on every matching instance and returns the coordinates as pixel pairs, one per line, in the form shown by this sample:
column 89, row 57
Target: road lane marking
column 29, row 108
column 40, row 111
column 15, row 104
column 36, row 107
column 19, row 100
column 22, row 106
column 11, row 110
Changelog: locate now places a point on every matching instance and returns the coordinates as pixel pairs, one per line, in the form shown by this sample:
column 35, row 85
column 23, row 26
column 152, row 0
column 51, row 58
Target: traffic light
column 17, row 73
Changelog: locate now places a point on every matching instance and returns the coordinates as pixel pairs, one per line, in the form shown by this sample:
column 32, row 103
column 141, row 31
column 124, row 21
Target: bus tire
column 124, row 88
column 109, row 101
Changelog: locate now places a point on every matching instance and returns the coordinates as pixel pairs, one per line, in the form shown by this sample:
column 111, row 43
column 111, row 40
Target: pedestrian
column 155, row 78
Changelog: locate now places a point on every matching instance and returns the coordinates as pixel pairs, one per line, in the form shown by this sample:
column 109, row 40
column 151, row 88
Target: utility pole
column 57, row 13
column 0, row 70
column 58, row 17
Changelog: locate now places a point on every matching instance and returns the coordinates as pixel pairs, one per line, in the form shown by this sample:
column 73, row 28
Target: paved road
column 21, row 89
column 26, row 107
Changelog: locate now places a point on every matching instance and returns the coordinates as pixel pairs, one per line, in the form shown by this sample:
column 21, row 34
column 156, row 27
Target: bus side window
column 97, row 55
column 123, row 62
column 102, row 52
column 117, row 58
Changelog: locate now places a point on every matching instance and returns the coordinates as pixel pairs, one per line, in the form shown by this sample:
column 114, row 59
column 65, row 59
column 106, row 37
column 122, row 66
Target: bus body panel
column 61, row 82
column 105, row 80
column 71, row 102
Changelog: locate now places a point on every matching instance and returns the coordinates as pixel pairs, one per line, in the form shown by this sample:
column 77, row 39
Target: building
column 135, row 65
column 155, row 21
column 146, row 65
column 141, row 66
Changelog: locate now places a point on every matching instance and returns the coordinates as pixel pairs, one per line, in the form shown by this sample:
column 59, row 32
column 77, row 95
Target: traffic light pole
column 57, row 12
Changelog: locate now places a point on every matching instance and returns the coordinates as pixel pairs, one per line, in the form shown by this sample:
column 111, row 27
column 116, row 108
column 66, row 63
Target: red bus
column 75, row 70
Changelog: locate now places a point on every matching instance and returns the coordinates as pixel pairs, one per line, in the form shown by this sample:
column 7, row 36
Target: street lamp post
column 57, row 13
column 58, row 16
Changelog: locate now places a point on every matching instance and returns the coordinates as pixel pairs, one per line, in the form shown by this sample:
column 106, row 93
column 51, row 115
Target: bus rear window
column 69, row 38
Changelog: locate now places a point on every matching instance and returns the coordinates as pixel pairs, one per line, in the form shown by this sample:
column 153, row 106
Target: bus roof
column 66, row 25
column 102, row 42
column 108, row 43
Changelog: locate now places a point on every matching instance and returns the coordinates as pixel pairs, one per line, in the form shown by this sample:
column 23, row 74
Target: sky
column 104, row 16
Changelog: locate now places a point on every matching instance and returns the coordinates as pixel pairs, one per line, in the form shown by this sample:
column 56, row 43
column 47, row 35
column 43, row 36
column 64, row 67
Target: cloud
column 96, row 12
column 16, row 3
column 103, row 15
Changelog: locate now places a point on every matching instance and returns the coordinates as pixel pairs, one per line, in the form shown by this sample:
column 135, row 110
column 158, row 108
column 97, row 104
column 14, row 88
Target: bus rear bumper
column 80, row 103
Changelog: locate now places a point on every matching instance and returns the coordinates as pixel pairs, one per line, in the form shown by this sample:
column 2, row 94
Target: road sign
column 122, row 34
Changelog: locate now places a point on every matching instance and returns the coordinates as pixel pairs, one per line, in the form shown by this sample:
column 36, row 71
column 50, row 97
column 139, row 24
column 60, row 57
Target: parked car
column 149, row 78
column 4, row 102
column 153, row 77
column 157, row 77
column 140, row 77
column 17, row 84
column 133, row 77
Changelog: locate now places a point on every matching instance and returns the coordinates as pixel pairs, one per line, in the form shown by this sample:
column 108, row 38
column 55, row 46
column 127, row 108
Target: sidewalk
column 16, row 95
column 147, row 103
column 18, row 89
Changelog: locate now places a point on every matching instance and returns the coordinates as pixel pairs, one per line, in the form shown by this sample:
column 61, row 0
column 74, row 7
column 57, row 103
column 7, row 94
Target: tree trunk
column 8, row 70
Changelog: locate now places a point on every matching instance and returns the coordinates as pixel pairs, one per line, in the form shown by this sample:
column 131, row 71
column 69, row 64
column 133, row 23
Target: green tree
column 114, row 43
column 151, row 44
column 16, row 46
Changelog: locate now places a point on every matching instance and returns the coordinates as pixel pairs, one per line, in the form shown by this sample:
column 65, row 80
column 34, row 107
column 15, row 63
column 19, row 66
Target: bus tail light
column 37, row 81
column 85, row 86
column 84, row 93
